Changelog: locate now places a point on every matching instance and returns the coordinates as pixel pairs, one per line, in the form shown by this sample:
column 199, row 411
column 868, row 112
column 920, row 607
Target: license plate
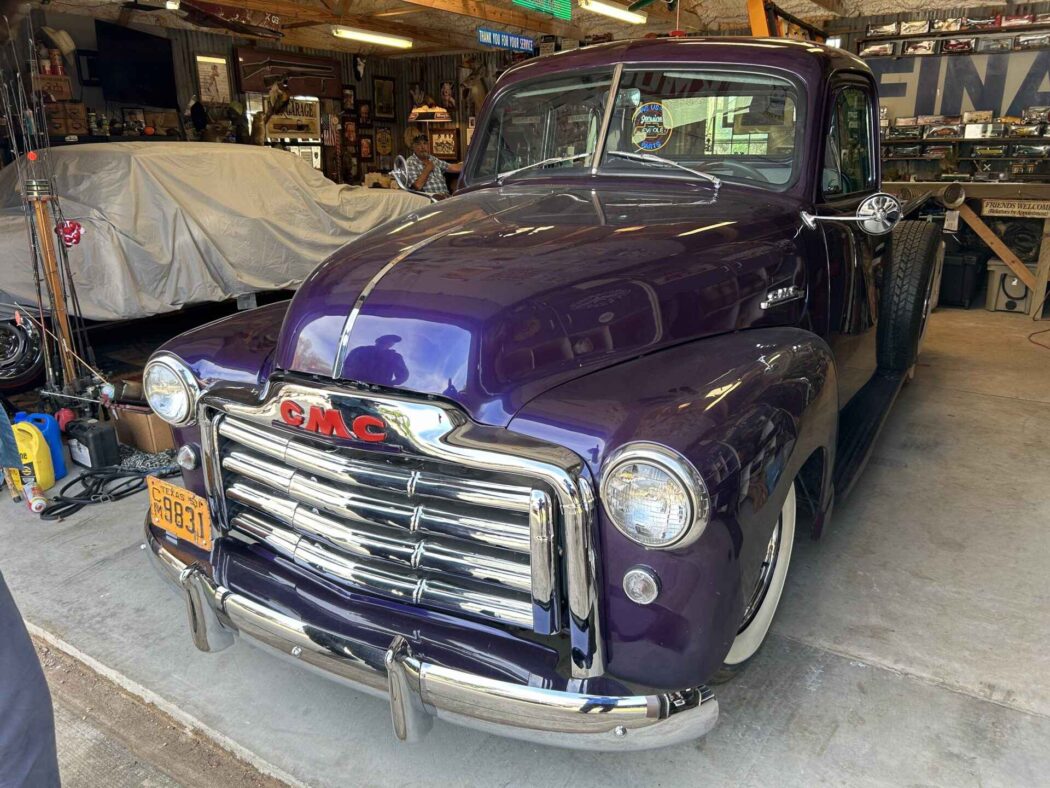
column 179, row 511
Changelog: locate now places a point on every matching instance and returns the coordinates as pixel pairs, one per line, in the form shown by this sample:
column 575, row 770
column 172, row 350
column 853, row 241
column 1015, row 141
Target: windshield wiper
column 556, row 160
column 654, row 159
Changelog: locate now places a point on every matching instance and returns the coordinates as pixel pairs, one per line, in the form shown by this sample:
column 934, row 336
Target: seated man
column 425, row 173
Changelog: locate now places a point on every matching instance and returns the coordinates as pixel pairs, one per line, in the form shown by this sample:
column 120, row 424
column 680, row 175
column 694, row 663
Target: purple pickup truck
column 532, row 459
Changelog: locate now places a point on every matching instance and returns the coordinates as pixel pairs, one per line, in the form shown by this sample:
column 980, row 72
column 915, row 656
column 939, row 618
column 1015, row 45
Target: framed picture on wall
column 364, row 113
column 134, row 119
column 349, row 99
column 447, row 96
column 444, row 144
column 366, row 147
column 87, row 67
column 383, row 96
column 384, row 142
column 213, row 79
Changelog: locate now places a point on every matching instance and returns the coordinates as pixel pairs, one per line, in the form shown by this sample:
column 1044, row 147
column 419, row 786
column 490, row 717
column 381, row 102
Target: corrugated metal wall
column 186, row 44
column 429, row 71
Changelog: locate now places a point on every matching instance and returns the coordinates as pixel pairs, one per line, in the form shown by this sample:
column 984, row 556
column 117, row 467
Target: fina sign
column 512, row 41
column 951, row 84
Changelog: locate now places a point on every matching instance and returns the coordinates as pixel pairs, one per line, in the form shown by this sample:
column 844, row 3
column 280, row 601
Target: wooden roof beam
column 834, row 6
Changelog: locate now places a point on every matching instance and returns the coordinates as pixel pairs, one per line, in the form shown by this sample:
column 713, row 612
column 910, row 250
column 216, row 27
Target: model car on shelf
column 533, row 459
column 203, row 223
column 957, row 45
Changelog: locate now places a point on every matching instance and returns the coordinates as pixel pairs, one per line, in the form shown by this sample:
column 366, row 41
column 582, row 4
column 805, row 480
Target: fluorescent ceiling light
column 368, row 37
column 613, row 10
column 172, row 5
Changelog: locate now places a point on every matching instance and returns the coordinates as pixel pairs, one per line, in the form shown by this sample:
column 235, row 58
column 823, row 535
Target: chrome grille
column 399, row 525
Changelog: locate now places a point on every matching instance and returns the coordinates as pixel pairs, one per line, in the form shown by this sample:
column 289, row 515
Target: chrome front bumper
column 419, row 691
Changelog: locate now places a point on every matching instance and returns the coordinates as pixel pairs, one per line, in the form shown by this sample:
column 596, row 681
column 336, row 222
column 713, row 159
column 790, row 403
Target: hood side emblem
column 782, row 295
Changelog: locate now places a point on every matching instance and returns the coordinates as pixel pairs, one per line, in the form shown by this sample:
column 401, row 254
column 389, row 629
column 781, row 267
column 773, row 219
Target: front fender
column 236, row 350
column 747, row 409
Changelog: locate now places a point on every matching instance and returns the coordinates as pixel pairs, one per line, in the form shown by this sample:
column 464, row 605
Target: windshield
column 737, row 126
column 556, row 119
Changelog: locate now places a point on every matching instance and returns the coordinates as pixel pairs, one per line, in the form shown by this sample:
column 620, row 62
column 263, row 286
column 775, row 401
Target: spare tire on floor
column 906, row 291
column 21, row 356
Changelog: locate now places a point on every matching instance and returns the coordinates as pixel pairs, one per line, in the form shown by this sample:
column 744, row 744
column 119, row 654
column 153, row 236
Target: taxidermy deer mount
column 477, row 76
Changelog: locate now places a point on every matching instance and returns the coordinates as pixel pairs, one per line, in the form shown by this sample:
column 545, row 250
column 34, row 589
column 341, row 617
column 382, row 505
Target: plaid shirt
column 435, row 183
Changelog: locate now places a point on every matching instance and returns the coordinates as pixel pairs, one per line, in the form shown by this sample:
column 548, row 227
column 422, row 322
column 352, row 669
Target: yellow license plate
column 179, row 511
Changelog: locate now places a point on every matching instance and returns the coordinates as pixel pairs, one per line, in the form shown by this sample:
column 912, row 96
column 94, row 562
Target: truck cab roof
column 807, row 60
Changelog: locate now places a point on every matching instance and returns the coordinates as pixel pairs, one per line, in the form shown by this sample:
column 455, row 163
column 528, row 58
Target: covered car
column 169, row 224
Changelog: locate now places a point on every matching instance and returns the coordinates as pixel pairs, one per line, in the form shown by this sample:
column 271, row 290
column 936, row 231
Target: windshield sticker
column 652, row 126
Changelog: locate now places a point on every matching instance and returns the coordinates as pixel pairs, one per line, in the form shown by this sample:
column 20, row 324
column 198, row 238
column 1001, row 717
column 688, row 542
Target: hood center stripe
column 359, row 302
column 348, row 327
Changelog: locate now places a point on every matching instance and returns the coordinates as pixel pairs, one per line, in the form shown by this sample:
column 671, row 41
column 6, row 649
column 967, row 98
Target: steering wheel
column 400, row 174
column 401, row 177
column 747, row 170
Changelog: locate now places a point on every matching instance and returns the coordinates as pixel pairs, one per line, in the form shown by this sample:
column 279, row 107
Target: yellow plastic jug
column 35, row 454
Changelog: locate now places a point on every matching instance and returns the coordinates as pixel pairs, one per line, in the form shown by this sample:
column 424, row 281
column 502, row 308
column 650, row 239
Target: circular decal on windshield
column 652, row 126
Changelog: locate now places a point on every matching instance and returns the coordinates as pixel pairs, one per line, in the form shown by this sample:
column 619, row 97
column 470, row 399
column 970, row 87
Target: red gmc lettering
column 323, row 421
column 370, row 428
column 292, row 413
column 327, row 422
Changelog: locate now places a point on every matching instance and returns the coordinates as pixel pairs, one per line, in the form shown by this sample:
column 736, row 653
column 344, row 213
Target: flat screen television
column 134, row 67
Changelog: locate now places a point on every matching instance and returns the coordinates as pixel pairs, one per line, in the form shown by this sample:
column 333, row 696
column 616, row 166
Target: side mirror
column 877, row 215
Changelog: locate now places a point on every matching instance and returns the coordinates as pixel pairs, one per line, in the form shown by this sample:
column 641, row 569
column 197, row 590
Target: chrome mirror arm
column 811, row 219
column 876, row 215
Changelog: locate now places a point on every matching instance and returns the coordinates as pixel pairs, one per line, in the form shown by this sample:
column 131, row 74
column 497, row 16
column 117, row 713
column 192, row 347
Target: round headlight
column 171, row 390
column 654, row 495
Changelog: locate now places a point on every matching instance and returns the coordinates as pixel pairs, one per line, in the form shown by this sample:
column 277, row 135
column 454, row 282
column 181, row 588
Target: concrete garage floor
column 912, row 645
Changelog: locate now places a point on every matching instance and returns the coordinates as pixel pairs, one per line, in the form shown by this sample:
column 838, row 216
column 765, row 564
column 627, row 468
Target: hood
column 493, row 297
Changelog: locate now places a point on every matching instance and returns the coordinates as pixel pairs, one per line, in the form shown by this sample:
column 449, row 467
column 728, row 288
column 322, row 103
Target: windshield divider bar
column 599, row 146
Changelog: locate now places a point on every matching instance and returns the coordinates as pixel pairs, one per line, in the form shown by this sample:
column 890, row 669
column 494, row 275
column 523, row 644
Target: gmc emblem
column 328, row 421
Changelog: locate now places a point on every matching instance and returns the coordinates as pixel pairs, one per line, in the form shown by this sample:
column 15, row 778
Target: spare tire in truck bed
column 906, row 294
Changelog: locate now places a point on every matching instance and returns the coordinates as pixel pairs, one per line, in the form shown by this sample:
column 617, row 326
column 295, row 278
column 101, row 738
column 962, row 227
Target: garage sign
column 301, row 120
column 1027, row 209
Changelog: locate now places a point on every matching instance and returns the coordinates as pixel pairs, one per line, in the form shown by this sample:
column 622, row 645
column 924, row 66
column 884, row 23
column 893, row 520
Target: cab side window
column 848, row 155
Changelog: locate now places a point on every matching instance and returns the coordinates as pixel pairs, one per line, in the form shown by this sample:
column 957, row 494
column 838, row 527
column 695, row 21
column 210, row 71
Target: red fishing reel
column 69, row 232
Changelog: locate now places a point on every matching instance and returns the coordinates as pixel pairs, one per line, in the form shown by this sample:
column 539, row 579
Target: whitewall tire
column 762, row 601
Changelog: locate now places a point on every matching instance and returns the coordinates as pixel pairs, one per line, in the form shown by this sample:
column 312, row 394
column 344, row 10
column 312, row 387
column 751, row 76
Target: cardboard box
column 76, row 126
column 57, row 86
column 56, row 119
column 141, row 428
column 162, row 121
column 76, row 110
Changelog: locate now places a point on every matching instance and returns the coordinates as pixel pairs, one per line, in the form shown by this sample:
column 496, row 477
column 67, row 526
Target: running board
column 859, row 425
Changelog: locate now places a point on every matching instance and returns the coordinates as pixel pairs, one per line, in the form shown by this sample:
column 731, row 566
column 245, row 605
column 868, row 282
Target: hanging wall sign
column 559, row 9
column 1028, row 209
column 300, row 120
column 257, row 69
column 512, row 41
column 239, row 20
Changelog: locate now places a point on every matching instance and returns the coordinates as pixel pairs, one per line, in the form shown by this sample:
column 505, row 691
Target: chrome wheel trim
column 765, row 575
column 753, row 631
column 20, row 348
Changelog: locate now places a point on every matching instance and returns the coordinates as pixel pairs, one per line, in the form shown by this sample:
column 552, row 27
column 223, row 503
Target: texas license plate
column 180, row 512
